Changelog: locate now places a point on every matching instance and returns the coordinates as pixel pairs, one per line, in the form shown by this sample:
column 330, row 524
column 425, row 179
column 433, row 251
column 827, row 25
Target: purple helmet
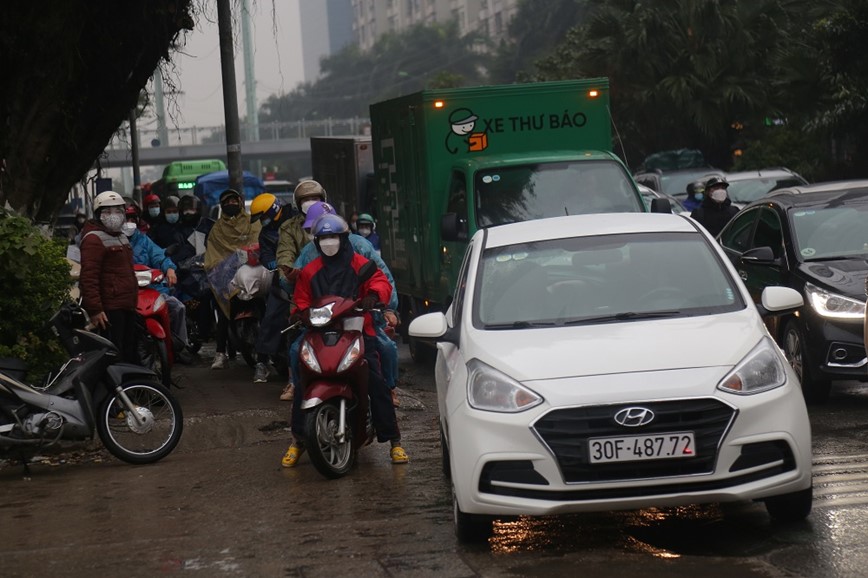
column 315, row 211
column 330, row 224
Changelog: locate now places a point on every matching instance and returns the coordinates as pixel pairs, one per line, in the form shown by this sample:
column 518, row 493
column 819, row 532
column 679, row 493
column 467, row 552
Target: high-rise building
column 373, row 18
column 326, row 27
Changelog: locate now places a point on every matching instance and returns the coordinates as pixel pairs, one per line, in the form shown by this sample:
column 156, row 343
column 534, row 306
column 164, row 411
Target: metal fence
column 197, row 135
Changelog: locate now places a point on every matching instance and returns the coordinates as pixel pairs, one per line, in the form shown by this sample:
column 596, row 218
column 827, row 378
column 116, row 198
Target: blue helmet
column 329, row 224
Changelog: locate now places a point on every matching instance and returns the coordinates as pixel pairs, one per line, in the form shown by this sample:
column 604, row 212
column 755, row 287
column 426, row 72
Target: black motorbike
column 138, row 420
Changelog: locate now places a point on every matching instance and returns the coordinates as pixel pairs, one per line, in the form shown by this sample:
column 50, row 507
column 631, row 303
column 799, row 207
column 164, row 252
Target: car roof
column 789, row 199
column 760, row 174
column 823, row 187
column 585, row 226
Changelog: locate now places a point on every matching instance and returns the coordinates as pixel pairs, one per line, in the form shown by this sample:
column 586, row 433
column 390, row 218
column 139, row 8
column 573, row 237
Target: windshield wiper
column 625, row 316
column 519, row 325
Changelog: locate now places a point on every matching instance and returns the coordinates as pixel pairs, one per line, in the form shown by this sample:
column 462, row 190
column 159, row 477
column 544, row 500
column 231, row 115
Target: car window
column 461, row 286
column 768, row 232
column 648, row 181
column 675, row 184
column 458, row 197
column 596, row 279
column 748, row 190
column 737, row 234
column 825, row 232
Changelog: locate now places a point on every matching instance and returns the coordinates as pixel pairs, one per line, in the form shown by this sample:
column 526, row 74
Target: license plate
column 635, row 448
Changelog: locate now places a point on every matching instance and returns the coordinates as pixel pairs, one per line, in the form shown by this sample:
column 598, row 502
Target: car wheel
column 816, row 391
column 793, row 507
column 444, row 456
column 470, row 528
column 421, row 353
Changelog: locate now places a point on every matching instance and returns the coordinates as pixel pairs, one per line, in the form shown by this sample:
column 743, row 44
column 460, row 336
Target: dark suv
column 814, row 239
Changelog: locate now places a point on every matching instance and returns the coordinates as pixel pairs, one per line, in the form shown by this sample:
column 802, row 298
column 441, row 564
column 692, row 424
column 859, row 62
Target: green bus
column 179, row 177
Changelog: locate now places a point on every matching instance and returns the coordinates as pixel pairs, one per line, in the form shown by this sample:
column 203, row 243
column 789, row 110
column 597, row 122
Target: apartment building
column 326, row 27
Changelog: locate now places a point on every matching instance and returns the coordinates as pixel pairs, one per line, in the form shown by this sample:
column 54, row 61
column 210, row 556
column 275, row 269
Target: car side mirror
column 760, row 256
column 776, row 300
column 429, row 326
column 659, row 205
column 451, row 228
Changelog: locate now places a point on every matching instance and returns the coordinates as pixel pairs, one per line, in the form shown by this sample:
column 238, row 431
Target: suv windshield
column 825, row 232
column 611, row 278
column 526, row 192
column 748, row 190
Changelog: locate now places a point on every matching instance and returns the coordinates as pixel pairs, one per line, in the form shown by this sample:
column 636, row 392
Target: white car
column 615, row 361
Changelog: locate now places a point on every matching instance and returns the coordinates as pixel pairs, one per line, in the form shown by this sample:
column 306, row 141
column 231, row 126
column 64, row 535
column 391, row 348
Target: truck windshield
column 525, row 192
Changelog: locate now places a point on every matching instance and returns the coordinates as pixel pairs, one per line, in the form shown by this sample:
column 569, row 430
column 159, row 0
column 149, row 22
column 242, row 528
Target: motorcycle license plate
column 637, row 448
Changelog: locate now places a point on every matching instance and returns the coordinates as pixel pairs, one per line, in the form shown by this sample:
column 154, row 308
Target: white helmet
column 107, row 199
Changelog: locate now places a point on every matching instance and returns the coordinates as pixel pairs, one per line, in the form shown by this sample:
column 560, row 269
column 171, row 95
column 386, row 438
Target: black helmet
column 695, row 187
column 228, row 194
column 716, row 180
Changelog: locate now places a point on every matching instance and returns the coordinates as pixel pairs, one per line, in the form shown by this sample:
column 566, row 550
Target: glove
column 369, row 301
column 289, row 272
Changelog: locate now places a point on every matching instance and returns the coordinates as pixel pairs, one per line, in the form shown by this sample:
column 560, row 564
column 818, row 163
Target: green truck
column 448, row 162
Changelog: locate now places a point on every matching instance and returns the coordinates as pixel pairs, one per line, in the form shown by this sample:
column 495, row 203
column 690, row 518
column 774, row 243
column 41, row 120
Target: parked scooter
column 137, row 419
column 246, row 309
column 334, row 377
column 156, row 342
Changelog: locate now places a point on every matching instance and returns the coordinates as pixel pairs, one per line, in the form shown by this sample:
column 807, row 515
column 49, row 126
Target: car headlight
column 491, row 390
column 833, row 305
column 309, row 358
column 351, row 355
column 159, row 302
column 319, row 316
column 760, row 370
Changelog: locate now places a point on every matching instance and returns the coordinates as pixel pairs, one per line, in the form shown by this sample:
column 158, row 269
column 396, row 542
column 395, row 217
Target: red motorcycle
column 334, row 376
column 156, row 345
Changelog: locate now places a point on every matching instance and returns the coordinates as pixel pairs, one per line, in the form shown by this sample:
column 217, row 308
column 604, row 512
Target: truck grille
column 566, row 433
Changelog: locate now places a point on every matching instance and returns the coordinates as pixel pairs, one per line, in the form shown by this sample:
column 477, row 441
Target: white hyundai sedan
column 603, row 362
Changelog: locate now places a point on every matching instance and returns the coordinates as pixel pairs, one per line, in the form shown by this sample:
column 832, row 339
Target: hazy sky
column 277, row 61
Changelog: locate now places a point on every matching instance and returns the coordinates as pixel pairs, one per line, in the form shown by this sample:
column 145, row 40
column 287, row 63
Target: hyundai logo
column 634, row 416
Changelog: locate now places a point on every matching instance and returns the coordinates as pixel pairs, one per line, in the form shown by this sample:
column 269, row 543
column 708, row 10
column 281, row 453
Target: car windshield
column 747, row 190
column 675, row 184
column 527, row 192
column 601, row 279
column 831, row 231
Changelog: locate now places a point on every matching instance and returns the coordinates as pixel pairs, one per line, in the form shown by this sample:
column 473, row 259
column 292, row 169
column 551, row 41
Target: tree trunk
column 71, row 72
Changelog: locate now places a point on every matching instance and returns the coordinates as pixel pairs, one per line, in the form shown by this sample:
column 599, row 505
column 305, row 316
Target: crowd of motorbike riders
column 308, row 251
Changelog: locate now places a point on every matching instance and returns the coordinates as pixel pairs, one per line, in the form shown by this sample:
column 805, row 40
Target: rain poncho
column 224, row 256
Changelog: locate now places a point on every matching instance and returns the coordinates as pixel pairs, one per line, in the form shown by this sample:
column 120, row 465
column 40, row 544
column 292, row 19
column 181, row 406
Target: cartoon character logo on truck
column 461, row 123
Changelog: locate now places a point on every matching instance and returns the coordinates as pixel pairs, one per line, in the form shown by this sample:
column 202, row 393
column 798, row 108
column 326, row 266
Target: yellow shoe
column 398, row 455
column 291, row 457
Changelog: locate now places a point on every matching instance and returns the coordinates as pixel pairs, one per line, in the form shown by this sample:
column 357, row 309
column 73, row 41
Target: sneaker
column 397, row 453
column 288, row 392
column 395, row 401
column 220, row 360
column 291, row 457
column 260, row 373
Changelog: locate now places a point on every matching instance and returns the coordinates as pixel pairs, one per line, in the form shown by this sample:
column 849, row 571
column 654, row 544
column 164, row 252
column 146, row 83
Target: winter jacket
column 269, row 237
column 107, row 281
column 713, row 215
column 291, row 240
column 146, row 252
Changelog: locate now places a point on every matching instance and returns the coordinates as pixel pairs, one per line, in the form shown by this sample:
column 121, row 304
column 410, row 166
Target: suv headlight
column 760, row 370
column 833, row 305
column 491, row 390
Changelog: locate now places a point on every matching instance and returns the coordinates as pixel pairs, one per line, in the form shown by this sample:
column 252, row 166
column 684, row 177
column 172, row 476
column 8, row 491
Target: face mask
column 128, row 228
column 265, row 222
column 306, row 205
column 364, row 231
column 231, row 210
column 329, row 247
column 718, row 195
column 699, row 197
column 189, row 215
column 172, row 218
column 112, row 221
column 154, row 211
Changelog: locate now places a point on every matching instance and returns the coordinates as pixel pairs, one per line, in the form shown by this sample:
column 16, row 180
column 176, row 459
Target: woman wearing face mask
column 108, row 284
column 367, row 228
column 232, row 231
column 166, row 231
column 716, row 209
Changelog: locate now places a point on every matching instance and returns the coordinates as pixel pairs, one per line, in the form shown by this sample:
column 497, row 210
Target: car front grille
column 566, row 433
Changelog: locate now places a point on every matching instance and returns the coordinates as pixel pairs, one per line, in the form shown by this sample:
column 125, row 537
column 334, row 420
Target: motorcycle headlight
column 351, row 355
column 760, row 370
column 319, row 316
column 159, row 302
column 309, row 358
column 491, row 390
column 834, row 306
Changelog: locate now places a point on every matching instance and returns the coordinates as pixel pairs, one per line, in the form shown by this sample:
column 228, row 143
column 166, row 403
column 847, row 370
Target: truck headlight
column 760, row 370
column 491, row 390
column 834, row 306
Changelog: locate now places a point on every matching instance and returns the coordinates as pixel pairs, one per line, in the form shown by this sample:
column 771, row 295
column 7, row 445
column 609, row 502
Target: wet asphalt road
column 222, row 505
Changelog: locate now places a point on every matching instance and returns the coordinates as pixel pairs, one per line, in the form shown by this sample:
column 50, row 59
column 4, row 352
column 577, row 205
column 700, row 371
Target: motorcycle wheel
column 331, row 458
column 152, row 439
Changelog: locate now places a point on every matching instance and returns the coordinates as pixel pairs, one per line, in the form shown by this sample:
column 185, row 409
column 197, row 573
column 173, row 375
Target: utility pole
column 160, row 109
column 134, row 146
column 230, row 97
column 249, row 79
